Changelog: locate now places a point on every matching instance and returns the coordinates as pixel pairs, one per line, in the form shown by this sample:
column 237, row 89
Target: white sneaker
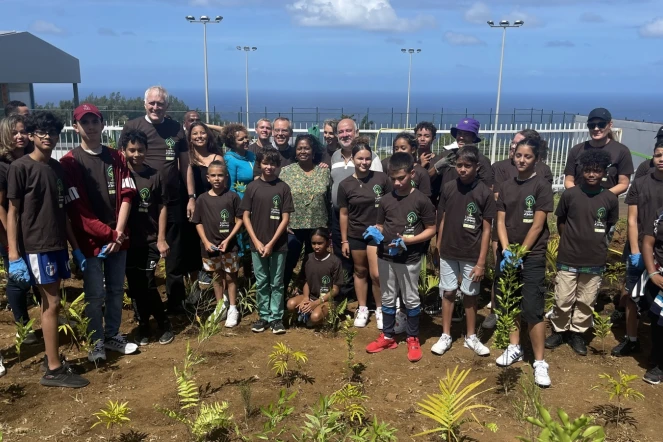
column 120, row 344
column 3, row 370
column 401, row 322
column 549, row 314
column 378, row 317
column 226, row 307
column 541, row 377
column 362, row 317
column 98, row 353
column 233, row 318
column 513, row 353
column 443, row 344
column 474, row 344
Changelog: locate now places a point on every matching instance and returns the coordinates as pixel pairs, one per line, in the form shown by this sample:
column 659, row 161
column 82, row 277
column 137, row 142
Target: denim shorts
column 451, row 271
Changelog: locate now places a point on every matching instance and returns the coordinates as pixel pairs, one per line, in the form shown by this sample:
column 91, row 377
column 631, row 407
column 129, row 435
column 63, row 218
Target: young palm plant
column 619, row 388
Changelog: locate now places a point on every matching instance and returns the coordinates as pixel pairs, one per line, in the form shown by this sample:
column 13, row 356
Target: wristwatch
column 192, row 195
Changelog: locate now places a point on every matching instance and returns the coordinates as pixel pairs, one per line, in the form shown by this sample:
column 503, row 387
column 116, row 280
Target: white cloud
column 458, row 39
column 44, row 27
column 478, row 13
column 370, row 15
column 652, row 29
column 590, row 17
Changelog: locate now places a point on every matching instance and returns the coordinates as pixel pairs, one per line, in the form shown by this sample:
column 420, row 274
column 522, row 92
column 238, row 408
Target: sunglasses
column 600, row 125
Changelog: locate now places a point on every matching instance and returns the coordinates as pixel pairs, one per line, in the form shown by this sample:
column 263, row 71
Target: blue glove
column 400, row 245
column 18, row 272
column 374, row 232
column 240, row 244
column 303, row 317
column 79, row 259
column 102, row 254
column 636, row 260
column 508, row 259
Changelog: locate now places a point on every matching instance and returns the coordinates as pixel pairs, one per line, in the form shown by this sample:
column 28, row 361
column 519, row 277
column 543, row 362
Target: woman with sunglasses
column 619, row 173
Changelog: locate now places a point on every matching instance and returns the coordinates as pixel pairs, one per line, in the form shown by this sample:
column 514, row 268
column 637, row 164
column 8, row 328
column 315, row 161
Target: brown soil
column 29, row 412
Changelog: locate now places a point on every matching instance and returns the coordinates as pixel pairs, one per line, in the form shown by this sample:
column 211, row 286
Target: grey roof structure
column 29, row 59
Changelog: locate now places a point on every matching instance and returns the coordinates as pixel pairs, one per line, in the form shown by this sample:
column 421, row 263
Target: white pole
column 497, row 106
column 247, row 89
column 206, row 87
column 407, row 110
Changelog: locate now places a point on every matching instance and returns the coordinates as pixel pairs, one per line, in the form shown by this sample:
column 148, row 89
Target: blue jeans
column 104, row 304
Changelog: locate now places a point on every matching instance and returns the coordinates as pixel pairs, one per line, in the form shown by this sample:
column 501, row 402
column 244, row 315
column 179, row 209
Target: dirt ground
column 29, row 412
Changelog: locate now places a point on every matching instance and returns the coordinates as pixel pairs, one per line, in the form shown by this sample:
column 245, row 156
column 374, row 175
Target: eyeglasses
column 600, row 125
column 43, row 134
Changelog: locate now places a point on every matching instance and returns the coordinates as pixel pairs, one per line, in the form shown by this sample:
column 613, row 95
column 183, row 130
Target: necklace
column 361, row 183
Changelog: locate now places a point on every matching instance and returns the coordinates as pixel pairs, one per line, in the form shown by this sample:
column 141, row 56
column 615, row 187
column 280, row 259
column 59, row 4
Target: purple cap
column 468, row 125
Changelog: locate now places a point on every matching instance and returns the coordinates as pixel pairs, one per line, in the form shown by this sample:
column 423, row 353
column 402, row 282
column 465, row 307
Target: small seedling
column 602, row 329
column 349, row 400
column 376, row 432
column 115, row 413
column 275, row 414
column 22, row 333
column 212, row 324
column 580, row 430
column 508, row 308
column 619, row 388
column 282, row 356
column 354, row 369
column 335, row 315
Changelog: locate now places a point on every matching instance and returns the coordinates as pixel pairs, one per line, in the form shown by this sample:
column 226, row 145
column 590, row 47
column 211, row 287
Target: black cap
column 659, row 134
column 600, row 113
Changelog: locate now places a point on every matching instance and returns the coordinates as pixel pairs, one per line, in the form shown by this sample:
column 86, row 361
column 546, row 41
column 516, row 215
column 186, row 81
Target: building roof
column 29, row 59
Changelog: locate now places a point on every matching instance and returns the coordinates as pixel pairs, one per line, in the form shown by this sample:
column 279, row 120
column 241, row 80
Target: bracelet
column 481, row 267
column 652, row 274
column 345, row 242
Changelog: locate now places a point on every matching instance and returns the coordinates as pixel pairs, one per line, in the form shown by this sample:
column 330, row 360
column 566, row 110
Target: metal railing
column 560, row 137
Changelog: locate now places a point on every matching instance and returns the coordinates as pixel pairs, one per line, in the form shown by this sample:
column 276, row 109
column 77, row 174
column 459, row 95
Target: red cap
column 86, row 108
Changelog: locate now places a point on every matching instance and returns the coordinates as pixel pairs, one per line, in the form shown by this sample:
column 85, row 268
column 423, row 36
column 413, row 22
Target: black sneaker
column 277, row 327
column 142, row 337
column 63, row 377
column 653, row 376
column 577, row 343
column 167, row 337
column 554, row 340
column 626, row 347
column 44, row 363
column 259, row 326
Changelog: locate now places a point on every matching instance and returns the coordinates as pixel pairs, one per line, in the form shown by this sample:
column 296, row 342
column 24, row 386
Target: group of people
column 172, row 191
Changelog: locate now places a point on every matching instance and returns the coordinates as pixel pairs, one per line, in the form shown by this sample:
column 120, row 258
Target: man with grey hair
column 166, row 141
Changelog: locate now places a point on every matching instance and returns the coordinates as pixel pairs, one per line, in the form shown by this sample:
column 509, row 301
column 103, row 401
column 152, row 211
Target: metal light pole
column 247, row 49
column 205, row 20
column 409, row 79
column 503, row 24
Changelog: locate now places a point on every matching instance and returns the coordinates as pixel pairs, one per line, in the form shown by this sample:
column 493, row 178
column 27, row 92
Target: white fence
column 560, row 137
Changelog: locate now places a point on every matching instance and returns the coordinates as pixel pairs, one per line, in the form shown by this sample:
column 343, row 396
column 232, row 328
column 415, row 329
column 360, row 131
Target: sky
column 602, row 47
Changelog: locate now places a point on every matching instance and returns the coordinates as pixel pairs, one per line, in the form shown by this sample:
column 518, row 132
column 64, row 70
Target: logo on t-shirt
column 412, row 219
column 144, row 199
column 224, row 225
column 377, row 190
column 528, row 214
column 325, row 283
column 110, row 179
column 60, row 187
column 470, row 221
column 275, row 213
column 599, row 223
column 170, row 151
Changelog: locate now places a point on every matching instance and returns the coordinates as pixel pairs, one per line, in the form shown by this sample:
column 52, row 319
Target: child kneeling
column 323, row 279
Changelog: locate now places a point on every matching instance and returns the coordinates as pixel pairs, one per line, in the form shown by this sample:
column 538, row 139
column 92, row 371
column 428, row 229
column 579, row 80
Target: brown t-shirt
column 587, row 221
column 267, row 201
column 4, row 172
column 165, row 142
column 322, row 275
column 146, row 206
column 464, row 206
column 484, row 171
column 421, row 178
column 621, row 162
column 362, row 198
column 287, row 158
column 505, row 170
column 647, row 194
column 408, row 216
column 646, row 167
column 42, row 219
column 519, row 200
column 97, row 172
column 435, row 180
column 255, row 148
column 655, row 228
column 217, row 215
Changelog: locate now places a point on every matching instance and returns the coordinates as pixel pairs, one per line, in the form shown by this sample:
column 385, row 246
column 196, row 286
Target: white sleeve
column 376, row 165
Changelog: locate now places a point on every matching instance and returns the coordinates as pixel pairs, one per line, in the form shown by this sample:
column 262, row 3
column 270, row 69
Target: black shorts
column 533, row 291
column 359, row 243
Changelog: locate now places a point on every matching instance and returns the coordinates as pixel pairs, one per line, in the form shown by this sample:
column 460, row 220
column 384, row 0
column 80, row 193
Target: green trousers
column 270, row 290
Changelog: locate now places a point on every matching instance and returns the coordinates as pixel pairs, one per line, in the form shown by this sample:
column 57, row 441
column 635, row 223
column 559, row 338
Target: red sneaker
column 381, row 343
column 413, row 349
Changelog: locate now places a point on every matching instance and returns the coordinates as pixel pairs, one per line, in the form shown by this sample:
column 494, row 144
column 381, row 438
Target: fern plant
column 602, row 329
column 282, row 356
column 335, row 315
column 619, row 388
column 579, row 430
column 115, row 413
column 508, row 297
column 22, row 333
column 349, row 400
column 449, row 407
